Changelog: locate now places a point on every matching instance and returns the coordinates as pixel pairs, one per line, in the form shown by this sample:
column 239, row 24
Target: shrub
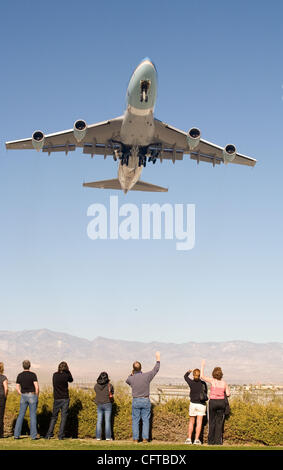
column 248, row 422
column 255, row 422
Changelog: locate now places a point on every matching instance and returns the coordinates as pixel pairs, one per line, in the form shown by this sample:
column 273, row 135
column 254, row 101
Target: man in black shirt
column 27, row 387
column 61, row 399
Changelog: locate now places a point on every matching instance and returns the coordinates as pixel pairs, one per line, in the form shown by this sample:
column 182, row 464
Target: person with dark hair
column 197, row 409
column 3, row 397
column 141, row 406
column 104, row 395
column 60, row 380
column 216, row 408
column 27, row 387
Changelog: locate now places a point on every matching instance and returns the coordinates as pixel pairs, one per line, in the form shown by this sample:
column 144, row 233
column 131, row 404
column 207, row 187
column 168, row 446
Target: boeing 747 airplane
column 134, row 139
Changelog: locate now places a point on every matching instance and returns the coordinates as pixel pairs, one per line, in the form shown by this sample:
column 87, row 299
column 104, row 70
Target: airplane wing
column 97, row 140
column 173, row 144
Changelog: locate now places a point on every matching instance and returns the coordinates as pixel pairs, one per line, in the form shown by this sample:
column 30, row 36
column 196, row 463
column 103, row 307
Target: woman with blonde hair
column 3, row 396
column 197, row 409
column 217, row 404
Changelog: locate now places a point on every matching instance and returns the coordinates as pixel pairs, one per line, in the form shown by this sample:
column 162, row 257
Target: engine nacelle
column 80, row 129
column 229, row 153
column 38, row 140
column 193, row 137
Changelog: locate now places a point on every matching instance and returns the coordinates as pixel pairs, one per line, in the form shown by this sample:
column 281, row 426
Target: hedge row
column 248, row 422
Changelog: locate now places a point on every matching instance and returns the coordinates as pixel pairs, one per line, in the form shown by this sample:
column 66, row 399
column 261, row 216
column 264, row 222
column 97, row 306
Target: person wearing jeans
column 141, row 410
column 27, row 400
column 104, row 409
column 104, row 395
column 63, row 406
column 27, row 387
column 141, row 407
column 61, row 379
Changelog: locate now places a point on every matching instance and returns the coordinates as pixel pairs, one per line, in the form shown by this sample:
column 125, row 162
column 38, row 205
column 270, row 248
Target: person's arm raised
column 227, row 389
column 202, row 376
column 186, row 376
column 156, row 368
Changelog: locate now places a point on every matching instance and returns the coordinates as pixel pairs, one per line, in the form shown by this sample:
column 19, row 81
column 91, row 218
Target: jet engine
column 38, row 140
column 229, row 153
column 80, row 129
column 193, row 138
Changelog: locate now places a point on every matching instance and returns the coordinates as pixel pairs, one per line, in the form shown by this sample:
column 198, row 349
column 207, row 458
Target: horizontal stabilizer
column 115, row 184
column 104, row 184
column 143, row 186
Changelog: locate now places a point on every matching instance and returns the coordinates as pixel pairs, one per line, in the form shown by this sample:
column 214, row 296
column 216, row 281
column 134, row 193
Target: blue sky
column 220, row 69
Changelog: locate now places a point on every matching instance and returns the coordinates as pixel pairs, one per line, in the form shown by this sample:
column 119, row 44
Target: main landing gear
column 143, row 154
column 125, row 160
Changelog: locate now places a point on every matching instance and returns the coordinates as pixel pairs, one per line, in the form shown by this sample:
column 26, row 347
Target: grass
column 25, row 443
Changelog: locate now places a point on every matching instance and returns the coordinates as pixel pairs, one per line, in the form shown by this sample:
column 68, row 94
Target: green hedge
column 248, row 422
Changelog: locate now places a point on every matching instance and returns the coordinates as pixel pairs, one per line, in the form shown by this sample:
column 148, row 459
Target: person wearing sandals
column 197, row 410
column 217, row 404
column 104, row 395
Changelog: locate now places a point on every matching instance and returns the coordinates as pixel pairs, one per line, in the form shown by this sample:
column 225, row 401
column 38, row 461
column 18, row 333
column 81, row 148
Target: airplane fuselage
column 137, row 129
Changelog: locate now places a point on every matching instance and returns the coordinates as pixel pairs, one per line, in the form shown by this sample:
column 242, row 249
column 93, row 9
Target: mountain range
column 241, row 361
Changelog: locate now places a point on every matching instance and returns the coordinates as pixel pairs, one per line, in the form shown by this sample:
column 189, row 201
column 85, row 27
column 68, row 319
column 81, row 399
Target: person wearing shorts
column 197, row 409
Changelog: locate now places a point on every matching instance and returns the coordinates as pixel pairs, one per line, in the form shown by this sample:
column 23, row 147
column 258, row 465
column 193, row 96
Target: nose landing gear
column 144, row 88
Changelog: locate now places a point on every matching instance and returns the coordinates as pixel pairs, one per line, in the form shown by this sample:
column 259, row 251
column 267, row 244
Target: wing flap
column 206, row 158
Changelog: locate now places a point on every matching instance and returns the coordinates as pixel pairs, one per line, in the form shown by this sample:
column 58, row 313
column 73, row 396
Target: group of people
column 139, row 381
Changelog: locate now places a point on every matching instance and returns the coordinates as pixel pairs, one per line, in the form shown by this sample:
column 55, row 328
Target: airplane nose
column 148, row 60
column 141, row 92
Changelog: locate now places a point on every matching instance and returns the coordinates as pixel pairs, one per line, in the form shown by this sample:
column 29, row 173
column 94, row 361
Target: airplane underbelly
column 129, row 175
column 137, row 129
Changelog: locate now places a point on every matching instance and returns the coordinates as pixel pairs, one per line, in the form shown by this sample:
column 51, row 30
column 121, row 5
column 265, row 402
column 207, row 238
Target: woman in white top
column 216, row 405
